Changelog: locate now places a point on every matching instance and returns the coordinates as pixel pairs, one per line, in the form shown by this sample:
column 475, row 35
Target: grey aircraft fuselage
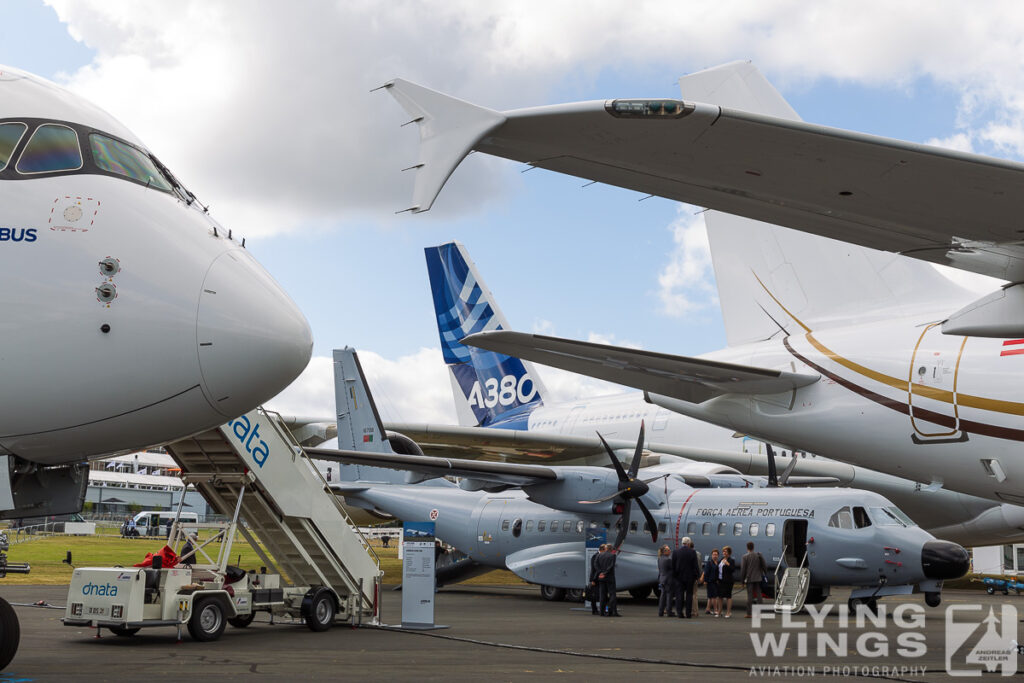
column 869, row 546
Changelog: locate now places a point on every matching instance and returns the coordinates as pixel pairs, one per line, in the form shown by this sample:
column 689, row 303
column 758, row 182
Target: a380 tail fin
column 491, row 389
column 769, row 276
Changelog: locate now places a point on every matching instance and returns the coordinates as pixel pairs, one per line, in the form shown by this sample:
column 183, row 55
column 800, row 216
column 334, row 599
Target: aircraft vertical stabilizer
column 767, row 272
column 491, row 389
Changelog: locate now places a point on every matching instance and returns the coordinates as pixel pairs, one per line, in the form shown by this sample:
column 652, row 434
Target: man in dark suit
column 752, row 571
column 605, row 565
column 685, row 570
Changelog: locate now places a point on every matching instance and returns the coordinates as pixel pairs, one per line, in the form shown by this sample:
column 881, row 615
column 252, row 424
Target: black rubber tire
column 10, row 634
column 640, row 593
column 321, row 612
column 122, row 632
column 242, row 620
column 207, row 622
column 990, row 590
column 574, row 594
column 933, row 599
column 552, row 594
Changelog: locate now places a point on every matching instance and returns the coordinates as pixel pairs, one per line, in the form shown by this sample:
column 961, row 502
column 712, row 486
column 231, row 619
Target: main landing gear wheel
column 552, row 594
column 123, row 632
column 574, row 594
column 640, row 593
column 10, row 633
column 932, row 599
column 242, row 620
column 870, row 603
column 207, row 622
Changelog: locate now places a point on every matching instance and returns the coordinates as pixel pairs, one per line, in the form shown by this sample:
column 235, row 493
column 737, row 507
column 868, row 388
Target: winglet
column 449, row 129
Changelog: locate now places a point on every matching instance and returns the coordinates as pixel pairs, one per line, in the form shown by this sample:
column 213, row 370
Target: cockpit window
column 10, row 136
column 842, row 519
column 51, row 148
column 891, row 516
column 123, row 159
column 860, row 517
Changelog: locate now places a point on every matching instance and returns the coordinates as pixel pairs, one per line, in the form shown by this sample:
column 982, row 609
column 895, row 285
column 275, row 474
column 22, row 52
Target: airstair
column 287, row 508
column 791, row 591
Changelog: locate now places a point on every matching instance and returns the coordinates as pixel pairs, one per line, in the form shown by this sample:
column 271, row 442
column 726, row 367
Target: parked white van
column 158, row 522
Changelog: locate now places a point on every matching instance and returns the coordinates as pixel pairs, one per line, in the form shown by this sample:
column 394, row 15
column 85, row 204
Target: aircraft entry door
column 931, row 391
column 794, row 538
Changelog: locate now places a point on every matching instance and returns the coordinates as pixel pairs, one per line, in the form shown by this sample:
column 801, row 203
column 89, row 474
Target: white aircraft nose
column 253, row 340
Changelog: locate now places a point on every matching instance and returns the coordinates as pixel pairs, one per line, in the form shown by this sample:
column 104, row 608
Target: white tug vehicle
column 320, row 568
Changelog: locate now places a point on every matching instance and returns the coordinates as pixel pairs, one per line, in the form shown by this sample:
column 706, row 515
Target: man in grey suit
column 685, row 570
column 752, row 571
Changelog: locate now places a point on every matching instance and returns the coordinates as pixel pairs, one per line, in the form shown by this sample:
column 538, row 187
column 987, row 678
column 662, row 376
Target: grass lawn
column 45, row 555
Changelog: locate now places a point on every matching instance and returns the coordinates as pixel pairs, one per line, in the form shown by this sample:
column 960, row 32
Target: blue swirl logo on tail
column 499, row 389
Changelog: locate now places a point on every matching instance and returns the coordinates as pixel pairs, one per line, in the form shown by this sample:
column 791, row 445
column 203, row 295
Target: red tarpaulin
column 170, row 558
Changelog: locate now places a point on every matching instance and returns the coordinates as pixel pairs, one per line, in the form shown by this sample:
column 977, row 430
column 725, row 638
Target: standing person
column 685, row 570
column 666, row 583
column 709, row 577
column 695, row 610
column 385, row 540
column 726, row 578
column 752, row 571
column 606, row 582
column 593, row 593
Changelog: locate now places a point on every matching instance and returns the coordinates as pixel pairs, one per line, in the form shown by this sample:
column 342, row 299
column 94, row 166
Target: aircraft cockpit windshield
column 847, row 518
column 891, row 516
column 31, row 148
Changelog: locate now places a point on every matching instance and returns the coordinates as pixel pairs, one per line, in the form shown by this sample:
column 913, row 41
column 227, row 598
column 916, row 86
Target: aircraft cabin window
column 769, row 529
column 754, row 528
column 517, row 528
column 706, row 529
column 554, row 526
column 567, row 526
column 723, row 528
column 541, row 525
column 691, row 528
column 123, row 159
column 842, row 519
column 51, row 148
column 860, row 518
column 529, row 525
column 737, row 529
column 579, row 526
column 633, row 526
column 504, row 525
column 662, row 527
column 10, row 136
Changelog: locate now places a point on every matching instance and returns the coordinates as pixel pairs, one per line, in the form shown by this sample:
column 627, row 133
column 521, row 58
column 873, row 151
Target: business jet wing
column 934, row 204
column 689, row 379
column 500, row 473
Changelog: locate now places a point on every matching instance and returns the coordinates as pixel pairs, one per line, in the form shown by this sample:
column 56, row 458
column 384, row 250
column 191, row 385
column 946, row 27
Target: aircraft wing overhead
column 938, row 205
column 688, row 379
column 501, row 473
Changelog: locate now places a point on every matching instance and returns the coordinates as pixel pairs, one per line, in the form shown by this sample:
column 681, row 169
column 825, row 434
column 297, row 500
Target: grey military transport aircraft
column 532, row 519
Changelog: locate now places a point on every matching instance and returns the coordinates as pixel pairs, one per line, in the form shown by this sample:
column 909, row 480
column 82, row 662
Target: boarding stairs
column 287, row 507
column 791, row 590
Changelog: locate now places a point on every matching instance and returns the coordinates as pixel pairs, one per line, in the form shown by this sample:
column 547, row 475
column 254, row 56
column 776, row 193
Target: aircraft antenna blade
column 650, row 520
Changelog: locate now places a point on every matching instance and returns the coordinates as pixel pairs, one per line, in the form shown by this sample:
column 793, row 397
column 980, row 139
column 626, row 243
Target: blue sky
column 267, row 116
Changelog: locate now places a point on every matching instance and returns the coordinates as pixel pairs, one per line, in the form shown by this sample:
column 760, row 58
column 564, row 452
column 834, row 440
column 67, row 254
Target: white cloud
column 413, row 388
column 960, row 142
column 686, row 283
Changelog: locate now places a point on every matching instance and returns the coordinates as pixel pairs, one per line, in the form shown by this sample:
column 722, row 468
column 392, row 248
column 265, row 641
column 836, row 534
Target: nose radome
column 253, row 340
column 944, row 560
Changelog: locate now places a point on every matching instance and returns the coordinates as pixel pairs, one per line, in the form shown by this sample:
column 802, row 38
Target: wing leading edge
column 689, row 379
column 934, row 204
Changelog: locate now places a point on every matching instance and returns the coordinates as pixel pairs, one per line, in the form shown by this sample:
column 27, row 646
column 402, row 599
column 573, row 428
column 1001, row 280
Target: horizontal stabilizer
column 689, row 379
column 449, row 129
